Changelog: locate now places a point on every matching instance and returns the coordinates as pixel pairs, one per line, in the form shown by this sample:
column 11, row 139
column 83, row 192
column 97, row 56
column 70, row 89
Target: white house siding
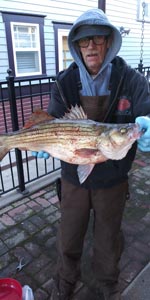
column 55, row 10
column 121, row 13
column 124, row 13
column 3, row 51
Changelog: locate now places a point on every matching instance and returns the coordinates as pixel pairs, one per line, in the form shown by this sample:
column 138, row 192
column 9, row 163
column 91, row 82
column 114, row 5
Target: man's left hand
column 144, row 140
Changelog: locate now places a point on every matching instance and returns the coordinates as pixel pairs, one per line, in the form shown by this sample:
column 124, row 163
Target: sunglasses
column 97, row 40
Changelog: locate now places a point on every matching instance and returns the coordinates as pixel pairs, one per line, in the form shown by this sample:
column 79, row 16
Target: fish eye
column 123, row 130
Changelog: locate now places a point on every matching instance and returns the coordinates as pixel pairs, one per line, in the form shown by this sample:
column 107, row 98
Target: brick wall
column 24, row 110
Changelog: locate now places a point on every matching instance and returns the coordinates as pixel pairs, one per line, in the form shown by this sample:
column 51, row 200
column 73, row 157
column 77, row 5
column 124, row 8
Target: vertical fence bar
column 15, row 126
column 140, row 66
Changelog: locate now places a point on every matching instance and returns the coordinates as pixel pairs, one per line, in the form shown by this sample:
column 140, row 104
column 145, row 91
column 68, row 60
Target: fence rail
column 18, row 99
column 145, row 71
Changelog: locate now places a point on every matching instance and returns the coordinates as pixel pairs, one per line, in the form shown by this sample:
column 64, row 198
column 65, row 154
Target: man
column 109, row 91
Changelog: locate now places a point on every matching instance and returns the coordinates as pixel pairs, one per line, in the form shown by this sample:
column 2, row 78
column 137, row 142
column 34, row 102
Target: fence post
column 15, row 126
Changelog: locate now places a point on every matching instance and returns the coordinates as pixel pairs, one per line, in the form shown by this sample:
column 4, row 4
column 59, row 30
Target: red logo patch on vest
column 123, row 104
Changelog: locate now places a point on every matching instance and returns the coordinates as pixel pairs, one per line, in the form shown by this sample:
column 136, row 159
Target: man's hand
column 144, row 141
column 40, row 154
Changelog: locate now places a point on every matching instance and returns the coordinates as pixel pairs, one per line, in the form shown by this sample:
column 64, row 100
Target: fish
column 74, row 139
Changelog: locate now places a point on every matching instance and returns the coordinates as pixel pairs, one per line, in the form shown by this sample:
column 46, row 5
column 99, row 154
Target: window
column 146, row 10
column 63, row 55
column 25, row 43
column 26, row 48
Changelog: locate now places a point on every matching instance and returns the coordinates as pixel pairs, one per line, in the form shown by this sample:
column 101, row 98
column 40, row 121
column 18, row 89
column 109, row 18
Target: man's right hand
column 40, row 154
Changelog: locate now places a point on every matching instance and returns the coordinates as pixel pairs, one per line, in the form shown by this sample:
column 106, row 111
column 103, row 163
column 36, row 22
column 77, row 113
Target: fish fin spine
column 76, row 112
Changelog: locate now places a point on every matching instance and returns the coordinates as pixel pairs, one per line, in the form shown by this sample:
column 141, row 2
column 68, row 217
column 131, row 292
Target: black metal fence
column 18, row 99
column 145, row 71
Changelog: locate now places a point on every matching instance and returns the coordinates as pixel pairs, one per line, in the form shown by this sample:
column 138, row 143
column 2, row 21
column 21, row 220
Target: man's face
column 93, row 55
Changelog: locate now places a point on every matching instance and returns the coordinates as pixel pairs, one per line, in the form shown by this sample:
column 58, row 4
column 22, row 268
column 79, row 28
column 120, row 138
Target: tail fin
column 3, row 148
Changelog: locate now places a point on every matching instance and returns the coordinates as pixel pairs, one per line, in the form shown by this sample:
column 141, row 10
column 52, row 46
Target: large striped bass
column 73, row 139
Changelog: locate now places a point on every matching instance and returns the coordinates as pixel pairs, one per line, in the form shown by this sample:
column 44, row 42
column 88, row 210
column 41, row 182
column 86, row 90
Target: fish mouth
column 136, row 132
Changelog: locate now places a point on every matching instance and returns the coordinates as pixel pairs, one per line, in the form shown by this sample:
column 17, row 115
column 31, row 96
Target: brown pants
column 108, row 206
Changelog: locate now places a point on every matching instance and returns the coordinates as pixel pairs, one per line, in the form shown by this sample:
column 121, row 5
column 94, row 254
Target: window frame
column 12, row 24
column 59, row 29
column 61, row 33
column 21, row 18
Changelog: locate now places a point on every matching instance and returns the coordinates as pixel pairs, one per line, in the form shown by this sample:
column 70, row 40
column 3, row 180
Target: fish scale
column 53, row 134
column 77, row 141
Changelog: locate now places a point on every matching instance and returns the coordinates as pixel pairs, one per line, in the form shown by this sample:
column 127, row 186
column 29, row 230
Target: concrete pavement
column 139, row 289
column 28, row 226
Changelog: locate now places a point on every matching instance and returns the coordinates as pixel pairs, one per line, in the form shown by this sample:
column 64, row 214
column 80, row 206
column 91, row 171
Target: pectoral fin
column 83, row 152
column 84, row 171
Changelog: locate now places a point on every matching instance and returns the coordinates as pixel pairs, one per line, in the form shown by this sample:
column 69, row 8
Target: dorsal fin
column 38, row 116
column 76, row 112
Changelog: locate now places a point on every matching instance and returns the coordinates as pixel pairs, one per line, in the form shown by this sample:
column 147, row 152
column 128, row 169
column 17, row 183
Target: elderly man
column 109, row 91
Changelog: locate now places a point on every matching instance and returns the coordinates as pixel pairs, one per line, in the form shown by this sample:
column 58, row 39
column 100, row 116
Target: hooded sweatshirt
column 90, row 86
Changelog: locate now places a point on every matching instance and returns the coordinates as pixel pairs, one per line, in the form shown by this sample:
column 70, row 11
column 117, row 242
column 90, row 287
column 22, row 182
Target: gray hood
column 93, row 17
